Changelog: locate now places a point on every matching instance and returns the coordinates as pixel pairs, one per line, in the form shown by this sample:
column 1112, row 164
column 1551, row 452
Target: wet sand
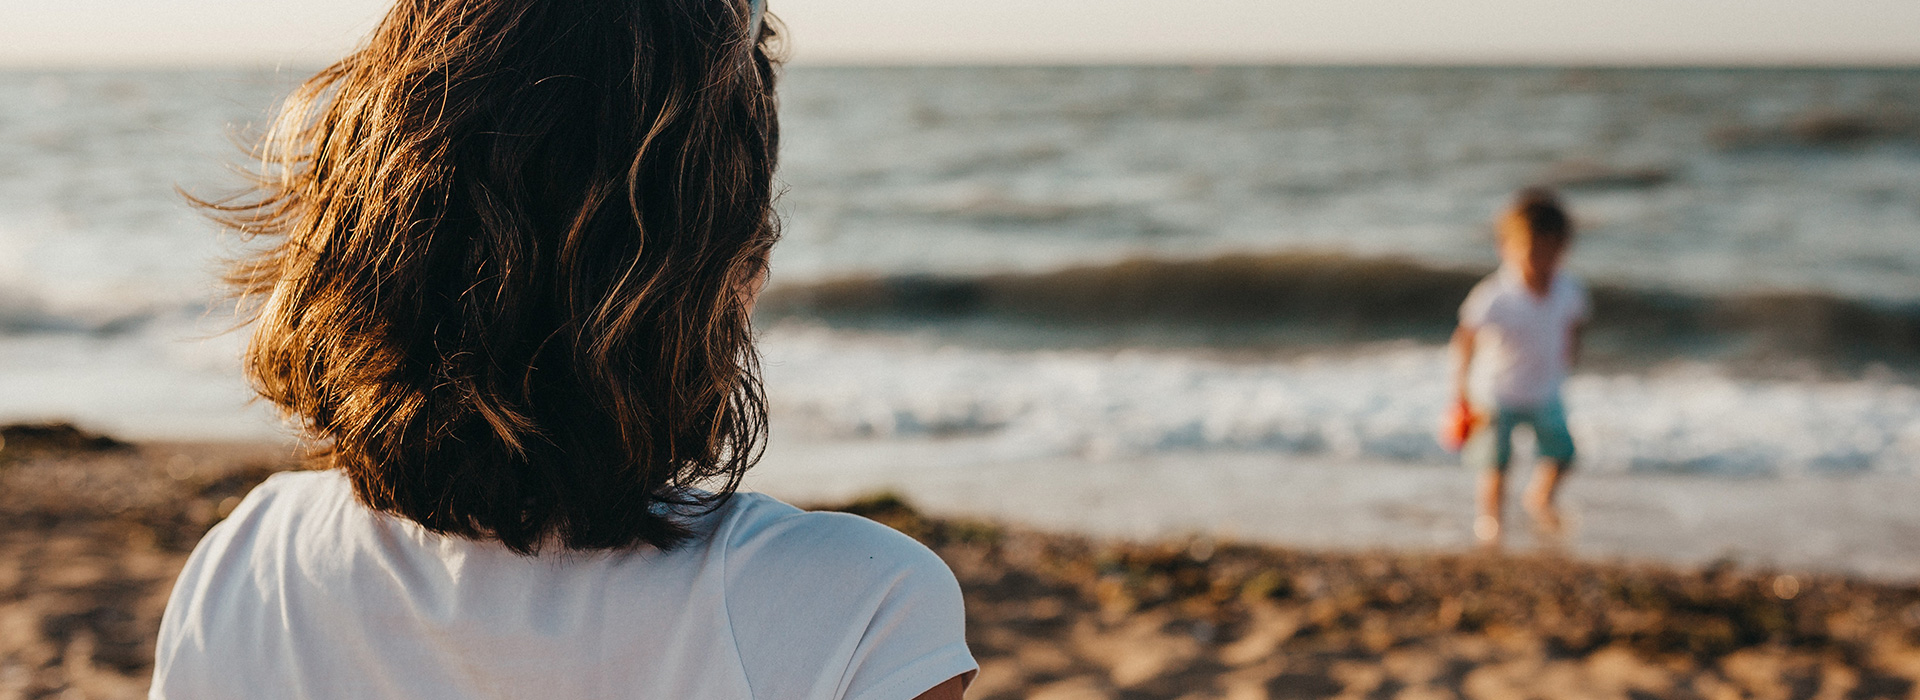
column 1854, row 524
column 92, row 532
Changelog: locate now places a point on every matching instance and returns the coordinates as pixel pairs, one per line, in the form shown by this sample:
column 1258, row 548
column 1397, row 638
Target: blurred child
column 1519, row 333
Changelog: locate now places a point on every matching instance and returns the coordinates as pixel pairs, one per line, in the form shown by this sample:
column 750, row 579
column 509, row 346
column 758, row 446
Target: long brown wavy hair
column 510, row 251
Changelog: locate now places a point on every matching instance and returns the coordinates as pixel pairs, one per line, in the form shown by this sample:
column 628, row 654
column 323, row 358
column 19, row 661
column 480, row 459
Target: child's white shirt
column 1522, row 341
column 305, row 594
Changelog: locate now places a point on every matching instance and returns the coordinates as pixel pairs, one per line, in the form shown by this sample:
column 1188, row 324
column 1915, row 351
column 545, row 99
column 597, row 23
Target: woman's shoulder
column 272, row 522
column 286, row 498
column 300, row 485
column 821, row 590
column 773, row 551
column 762, row 533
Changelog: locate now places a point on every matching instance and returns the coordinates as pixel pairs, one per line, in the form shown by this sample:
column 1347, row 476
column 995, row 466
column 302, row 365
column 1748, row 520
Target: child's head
column 510, row 240
column 1535, row 233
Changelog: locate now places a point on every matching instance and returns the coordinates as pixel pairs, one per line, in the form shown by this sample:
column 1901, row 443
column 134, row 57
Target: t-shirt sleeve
column 1473, row 311
column 838, row 607
column 200, row 626
column 1582, row 303
column 915, row 640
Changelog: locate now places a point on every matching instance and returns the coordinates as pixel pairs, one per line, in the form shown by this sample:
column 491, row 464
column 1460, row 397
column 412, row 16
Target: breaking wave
column 1306, row 301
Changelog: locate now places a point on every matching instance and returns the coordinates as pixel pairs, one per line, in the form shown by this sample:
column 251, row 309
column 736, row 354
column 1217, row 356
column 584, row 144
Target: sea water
column 1714, row 187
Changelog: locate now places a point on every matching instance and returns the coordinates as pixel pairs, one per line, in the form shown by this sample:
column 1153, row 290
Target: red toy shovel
column 1458, row 425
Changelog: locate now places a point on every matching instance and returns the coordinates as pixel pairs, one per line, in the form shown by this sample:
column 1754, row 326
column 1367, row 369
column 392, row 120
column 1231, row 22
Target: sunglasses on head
column 756, row 10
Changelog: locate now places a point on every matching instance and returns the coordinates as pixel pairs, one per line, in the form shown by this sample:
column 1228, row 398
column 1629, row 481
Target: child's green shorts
column 1491, row 447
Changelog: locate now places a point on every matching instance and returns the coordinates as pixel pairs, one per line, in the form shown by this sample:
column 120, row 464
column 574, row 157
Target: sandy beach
column 92, row 532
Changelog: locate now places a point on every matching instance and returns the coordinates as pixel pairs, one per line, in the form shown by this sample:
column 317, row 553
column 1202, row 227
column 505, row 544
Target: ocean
column 1083, row 268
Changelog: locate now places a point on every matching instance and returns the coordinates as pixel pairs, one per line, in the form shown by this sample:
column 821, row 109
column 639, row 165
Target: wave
column 1308, row 301
column 1824, row 129
column 24, row 315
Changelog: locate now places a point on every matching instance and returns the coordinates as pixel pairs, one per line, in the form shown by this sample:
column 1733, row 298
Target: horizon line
column 1078, row 62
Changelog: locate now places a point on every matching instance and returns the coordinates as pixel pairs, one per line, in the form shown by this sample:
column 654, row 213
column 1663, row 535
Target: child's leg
column 1493, row 493
column 1540, row 496
column 1556, row 459
column 1488, row 453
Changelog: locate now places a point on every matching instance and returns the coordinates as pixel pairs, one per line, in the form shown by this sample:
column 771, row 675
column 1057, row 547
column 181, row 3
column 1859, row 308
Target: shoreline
column 91, row 535
column 1857, row 525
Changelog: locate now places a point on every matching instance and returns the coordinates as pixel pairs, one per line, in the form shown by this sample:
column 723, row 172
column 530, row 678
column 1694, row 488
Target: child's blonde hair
column 1537, row 212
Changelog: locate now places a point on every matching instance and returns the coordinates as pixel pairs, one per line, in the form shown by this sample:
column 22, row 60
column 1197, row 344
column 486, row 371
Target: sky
column 1633, row 32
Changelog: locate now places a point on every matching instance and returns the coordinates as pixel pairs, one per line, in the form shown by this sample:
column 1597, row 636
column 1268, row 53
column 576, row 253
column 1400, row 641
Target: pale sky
column 201, row 32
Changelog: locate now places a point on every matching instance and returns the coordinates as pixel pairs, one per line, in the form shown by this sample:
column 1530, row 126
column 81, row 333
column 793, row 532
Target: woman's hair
column 1537, row 212
column 511, row 251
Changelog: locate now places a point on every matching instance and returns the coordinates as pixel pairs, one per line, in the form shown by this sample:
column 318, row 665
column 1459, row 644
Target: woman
column 513, row 249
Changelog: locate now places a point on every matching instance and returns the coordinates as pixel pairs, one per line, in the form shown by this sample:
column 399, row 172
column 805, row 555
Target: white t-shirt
column 1522, row 341
column 304, row 593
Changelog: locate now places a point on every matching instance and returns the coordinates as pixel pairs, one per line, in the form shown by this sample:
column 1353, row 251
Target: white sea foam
column 1378, row 404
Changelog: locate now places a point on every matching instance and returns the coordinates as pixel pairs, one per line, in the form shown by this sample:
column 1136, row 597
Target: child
column 1519, row 333
column 513, row 250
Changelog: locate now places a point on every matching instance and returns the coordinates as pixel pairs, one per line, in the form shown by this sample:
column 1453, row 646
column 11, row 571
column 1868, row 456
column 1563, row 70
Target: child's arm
column 1462, row 360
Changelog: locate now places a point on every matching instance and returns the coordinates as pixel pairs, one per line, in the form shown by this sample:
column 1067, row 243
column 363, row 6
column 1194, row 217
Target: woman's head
column 510, row 248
